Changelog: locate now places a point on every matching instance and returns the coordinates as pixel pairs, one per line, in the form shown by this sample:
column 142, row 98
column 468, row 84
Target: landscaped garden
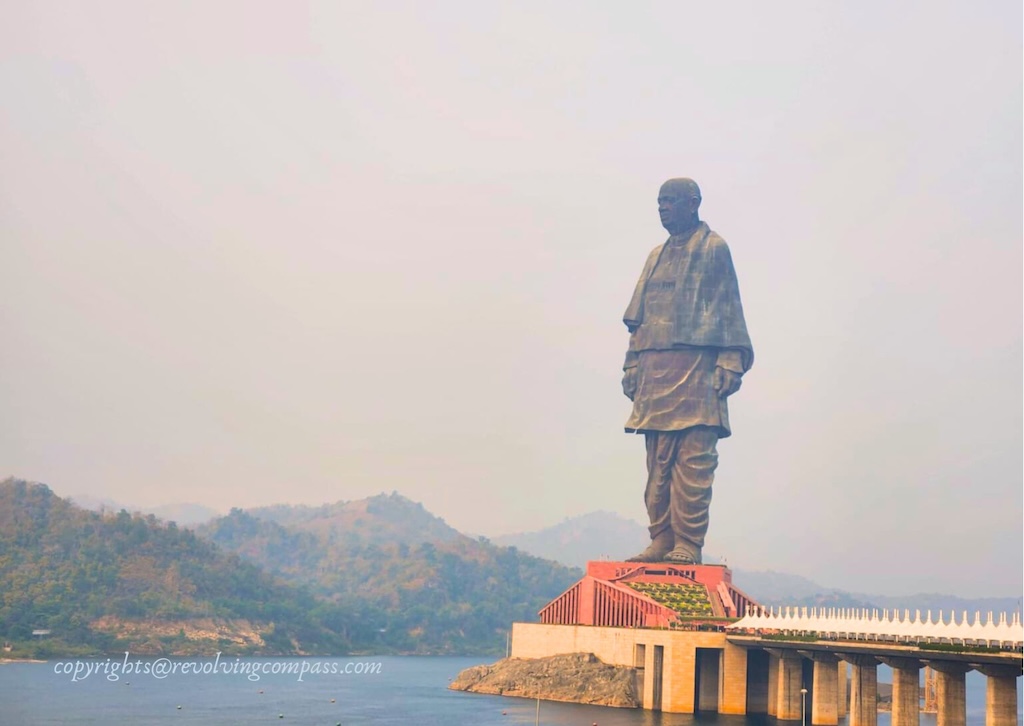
column 685, row 600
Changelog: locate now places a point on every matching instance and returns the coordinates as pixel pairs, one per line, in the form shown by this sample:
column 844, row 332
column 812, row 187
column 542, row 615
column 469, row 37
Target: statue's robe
column 685, row 318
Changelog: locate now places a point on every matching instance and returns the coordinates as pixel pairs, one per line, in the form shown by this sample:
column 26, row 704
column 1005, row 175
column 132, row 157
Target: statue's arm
column 730, row 360
column 728, row 372
column 629, row 372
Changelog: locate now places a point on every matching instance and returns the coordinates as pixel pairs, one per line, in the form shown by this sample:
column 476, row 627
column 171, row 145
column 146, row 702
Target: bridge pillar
column 906, row 690
column 825, row 699
column 788, row 681
column 951, row 692
column 773, row 681
column 676, row 694
column 1000, row 695
column 863, row 690
column 732, row 688
column 843, row 673
column 824, row 688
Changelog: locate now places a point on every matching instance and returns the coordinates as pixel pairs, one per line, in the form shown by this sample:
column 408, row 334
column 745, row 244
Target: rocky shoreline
column 572, row 678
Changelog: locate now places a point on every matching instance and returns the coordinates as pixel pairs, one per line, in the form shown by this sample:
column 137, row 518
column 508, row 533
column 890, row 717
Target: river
column 385, row 690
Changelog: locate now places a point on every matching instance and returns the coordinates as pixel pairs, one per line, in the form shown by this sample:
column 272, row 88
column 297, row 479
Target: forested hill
column 103, row 582
column 374, row 576
column 407, row 581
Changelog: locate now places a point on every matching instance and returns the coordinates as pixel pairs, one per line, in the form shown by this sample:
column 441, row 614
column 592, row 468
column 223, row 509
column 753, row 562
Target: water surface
column 405, row 690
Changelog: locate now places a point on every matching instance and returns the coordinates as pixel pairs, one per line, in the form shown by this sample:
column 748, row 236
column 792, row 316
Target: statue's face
column 676, row 207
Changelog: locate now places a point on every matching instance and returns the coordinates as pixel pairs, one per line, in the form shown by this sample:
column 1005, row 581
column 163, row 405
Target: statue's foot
column 661, row 545
column 654, row 553
column 682, row 556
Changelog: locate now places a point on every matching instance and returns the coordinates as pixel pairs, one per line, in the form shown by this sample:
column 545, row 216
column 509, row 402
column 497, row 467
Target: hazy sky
column 281, row 252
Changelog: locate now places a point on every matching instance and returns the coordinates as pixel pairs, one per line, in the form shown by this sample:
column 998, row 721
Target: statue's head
column 678, row 202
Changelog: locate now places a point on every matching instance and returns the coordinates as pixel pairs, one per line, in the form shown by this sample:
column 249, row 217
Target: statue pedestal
column 649, row 594
column 708, row 575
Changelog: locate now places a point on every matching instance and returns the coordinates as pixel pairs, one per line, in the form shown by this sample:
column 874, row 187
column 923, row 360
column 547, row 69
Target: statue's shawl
column 706, row 305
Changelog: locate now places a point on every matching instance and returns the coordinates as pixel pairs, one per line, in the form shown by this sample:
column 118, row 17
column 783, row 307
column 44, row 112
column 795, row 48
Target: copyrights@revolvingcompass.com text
column 251, row 668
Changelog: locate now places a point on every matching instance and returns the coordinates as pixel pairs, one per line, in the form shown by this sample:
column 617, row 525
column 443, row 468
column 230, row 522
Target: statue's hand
column 726, row 382
column 629, row 383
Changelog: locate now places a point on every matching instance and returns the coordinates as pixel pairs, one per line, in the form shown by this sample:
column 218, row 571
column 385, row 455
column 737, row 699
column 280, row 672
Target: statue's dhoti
column 680, row 471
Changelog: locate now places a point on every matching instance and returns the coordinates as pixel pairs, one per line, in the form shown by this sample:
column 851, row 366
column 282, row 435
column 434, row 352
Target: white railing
column 886, row 626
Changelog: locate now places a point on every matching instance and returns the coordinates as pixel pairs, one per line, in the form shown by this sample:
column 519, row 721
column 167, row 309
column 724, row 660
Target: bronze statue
column 688, row 349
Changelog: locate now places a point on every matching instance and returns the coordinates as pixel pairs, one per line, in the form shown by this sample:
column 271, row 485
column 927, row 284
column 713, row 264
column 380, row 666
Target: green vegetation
column 63, row 569
column 957, row 648
column 687, row 600
column 355, row 577
column 943, row 647
column 798, row 638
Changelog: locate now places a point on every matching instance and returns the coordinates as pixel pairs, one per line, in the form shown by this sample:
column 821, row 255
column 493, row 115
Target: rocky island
column 571, row 677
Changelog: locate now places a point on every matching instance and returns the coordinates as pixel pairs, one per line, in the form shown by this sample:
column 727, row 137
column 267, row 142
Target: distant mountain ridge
column 577, row 540
column 394, row 519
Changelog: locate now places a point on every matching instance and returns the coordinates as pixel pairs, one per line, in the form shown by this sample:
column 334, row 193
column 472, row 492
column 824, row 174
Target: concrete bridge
column 730, row 671
column 825, row 638
column 778, row 671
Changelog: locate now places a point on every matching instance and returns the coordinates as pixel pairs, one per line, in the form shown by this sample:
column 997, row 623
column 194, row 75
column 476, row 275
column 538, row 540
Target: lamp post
column 803, row 707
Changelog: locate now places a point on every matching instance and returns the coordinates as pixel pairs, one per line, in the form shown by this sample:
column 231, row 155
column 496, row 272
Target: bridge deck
column 852, row 647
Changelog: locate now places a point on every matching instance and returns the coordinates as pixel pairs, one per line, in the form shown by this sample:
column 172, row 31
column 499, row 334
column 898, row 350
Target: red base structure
column 642, row 595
